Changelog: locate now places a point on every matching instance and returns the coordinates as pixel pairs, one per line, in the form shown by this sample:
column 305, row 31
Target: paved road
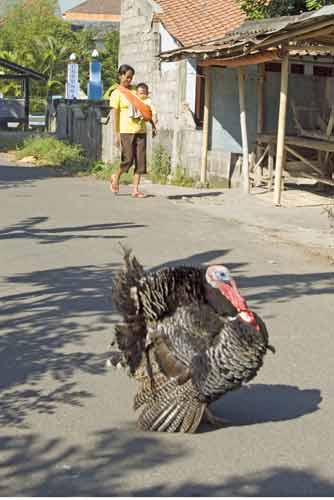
column 67, row 425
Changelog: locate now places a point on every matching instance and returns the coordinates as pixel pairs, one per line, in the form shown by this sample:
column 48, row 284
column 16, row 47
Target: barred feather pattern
column 234, row 358
column 222, row 353
column 161, row 292
column 170, row 407
column 182, row 349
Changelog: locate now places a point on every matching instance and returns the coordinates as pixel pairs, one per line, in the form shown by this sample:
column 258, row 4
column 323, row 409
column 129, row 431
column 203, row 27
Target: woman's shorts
column 133, row 152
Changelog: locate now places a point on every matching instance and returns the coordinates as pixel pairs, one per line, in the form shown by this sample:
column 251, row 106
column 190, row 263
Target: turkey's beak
column 271, row 348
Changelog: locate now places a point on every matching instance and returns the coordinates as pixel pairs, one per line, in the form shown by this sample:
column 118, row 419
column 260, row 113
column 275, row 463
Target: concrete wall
column 225, row 133
column 86, row 124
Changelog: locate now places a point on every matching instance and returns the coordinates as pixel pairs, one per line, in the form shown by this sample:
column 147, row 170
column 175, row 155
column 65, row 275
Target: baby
column 142, row 92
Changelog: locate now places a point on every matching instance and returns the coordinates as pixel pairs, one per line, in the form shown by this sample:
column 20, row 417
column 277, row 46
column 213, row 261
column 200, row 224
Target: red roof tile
column 194, row 21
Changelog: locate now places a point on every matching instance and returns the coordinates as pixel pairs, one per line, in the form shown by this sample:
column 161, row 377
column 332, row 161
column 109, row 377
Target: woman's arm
column 115, row 116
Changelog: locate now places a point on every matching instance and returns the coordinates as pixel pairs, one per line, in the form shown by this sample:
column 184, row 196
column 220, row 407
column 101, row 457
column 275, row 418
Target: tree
column 35, row 37
column 259, row 9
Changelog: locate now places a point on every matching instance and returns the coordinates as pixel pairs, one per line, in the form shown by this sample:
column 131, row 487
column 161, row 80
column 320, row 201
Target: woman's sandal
column 138, row 194
column 113, row 185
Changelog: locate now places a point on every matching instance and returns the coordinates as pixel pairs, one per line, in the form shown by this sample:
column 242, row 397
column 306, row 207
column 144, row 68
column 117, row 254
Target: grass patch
column 180, row 178
column 104, row 171
column 50, row 151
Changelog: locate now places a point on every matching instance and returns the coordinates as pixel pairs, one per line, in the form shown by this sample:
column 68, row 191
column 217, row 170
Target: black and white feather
column 184, row 342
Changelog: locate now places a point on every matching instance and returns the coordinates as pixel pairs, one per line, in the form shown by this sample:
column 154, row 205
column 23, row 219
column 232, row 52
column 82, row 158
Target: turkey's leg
column 213, row 419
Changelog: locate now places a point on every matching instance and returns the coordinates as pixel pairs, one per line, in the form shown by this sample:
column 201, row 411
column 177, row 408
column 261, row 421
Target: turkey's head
column 219, row 277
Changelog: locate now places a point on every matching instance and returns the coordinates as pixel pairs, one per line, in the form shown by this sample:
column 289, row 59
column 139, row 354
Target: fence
column 85, row 123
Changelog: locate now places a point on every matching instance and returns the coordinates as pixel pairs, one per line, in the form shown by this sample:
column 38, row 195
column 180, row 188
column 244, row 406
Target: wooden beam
column 302, row 142
column 205, row 138
column 303, row 159
column 281, row 130
column 272, row 55
column 243, row 123
column 274, row 40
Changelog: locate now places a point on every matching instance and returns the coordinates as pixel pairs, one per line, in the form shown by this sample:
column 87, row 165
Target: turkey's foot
column 212, row 419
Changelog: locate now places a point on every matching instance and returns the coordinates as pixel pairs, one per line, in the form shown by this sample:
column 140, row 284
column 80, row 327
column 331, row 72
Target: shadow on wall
column 119, row 461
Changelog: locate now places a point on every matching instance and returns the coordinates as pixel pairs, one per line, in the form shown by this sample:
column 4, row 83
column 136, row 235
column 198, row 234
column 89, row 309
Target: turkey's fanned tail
column 169, row 407
column 130, row 335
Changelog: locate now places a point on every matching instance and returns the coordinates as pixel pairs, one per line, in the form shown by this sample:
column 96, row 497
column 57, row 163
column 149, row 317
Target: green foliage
column 180, row 178
column 50, row 151
column 160, row 166
column 105, row 170
column 35, row 37
column 259, row 9
column 109, row 59
column 317, row 4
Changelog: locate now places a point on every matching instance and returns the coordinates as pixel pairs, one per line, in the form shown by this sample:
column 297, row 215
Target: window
column 273, row 67
column 325, row 71
column 199, row 99
column 297, row 69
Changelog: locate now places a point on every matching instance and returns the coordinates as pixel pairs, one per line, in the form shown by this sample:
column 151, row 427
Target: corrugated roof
column 255, row 34
column 193, row 21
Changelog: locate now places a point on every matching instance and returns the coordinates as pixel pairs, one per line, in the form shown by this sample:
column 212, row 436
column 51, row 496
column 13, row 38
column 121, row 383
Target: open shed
column 16, row 109
column 277, row 54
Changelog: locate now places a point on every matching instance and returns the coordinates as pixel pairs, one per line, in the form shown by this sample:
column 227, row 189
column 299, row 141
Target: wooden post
column 260, row 98
column 270, row 166
column 281, row 130
column 243, row 123
column 205, row 141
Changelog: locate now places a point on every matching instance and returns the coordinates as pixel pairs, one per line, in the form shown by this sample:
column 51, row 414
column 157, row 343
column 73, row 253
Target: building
column 269, row 91
column 149, row 28
column 100, row 15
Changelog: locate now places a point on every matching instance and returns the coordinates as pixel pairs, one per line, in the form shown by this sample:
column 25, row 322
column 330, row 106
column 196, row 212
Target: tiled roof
column 193, row 21
column 97, row 7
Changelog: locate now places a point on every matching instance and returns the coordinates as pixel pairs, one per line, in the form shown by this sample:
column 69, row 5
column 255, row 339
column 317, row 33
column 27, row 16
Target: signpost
column 72, row 85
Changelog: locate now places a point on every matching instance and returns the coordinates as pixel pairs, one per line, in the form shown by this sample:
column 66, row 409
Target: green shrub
column 50, row 151
column 180, row 178
column 160, row 166
column 105, row 170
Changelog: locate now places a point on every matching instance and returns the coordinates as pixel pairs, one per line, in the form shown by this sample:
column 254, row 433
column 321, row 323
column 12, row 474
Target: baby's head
column 142, row 90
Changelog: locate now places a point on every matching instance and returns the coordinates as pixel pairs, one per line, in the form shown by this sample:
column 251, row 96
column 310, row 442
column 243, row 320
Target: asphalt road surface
column 67, row 424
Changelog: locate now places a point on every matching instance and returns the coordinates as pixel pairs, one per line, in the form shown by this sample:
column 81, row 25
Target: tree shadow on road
column 31, row 228
column 12, row 176
column 285, row 287
column 44, row 328
column 119, row 463
column 202, row 259
column 261, row 289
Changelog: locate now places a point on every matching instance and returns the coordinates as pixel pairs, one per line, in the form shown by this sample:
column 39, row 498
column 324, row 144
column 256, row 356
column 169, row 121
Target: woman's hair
column 123, row 69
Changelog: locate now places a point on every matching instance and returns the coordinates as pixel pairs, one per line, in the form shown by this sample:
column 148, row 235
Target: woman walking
column 129, row 132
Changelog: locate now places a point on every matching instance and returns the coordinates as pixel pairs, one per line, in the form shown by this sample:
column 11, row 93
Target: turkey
column 187, row 337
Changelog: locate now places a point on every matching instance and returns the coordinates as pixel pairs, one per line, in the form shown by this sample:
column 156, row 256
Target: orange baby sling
column 144, row 109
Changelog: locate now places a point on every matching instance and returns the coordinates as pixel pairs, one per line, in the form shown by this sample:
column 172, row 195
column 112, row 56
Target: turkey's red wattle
column 231, row 292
